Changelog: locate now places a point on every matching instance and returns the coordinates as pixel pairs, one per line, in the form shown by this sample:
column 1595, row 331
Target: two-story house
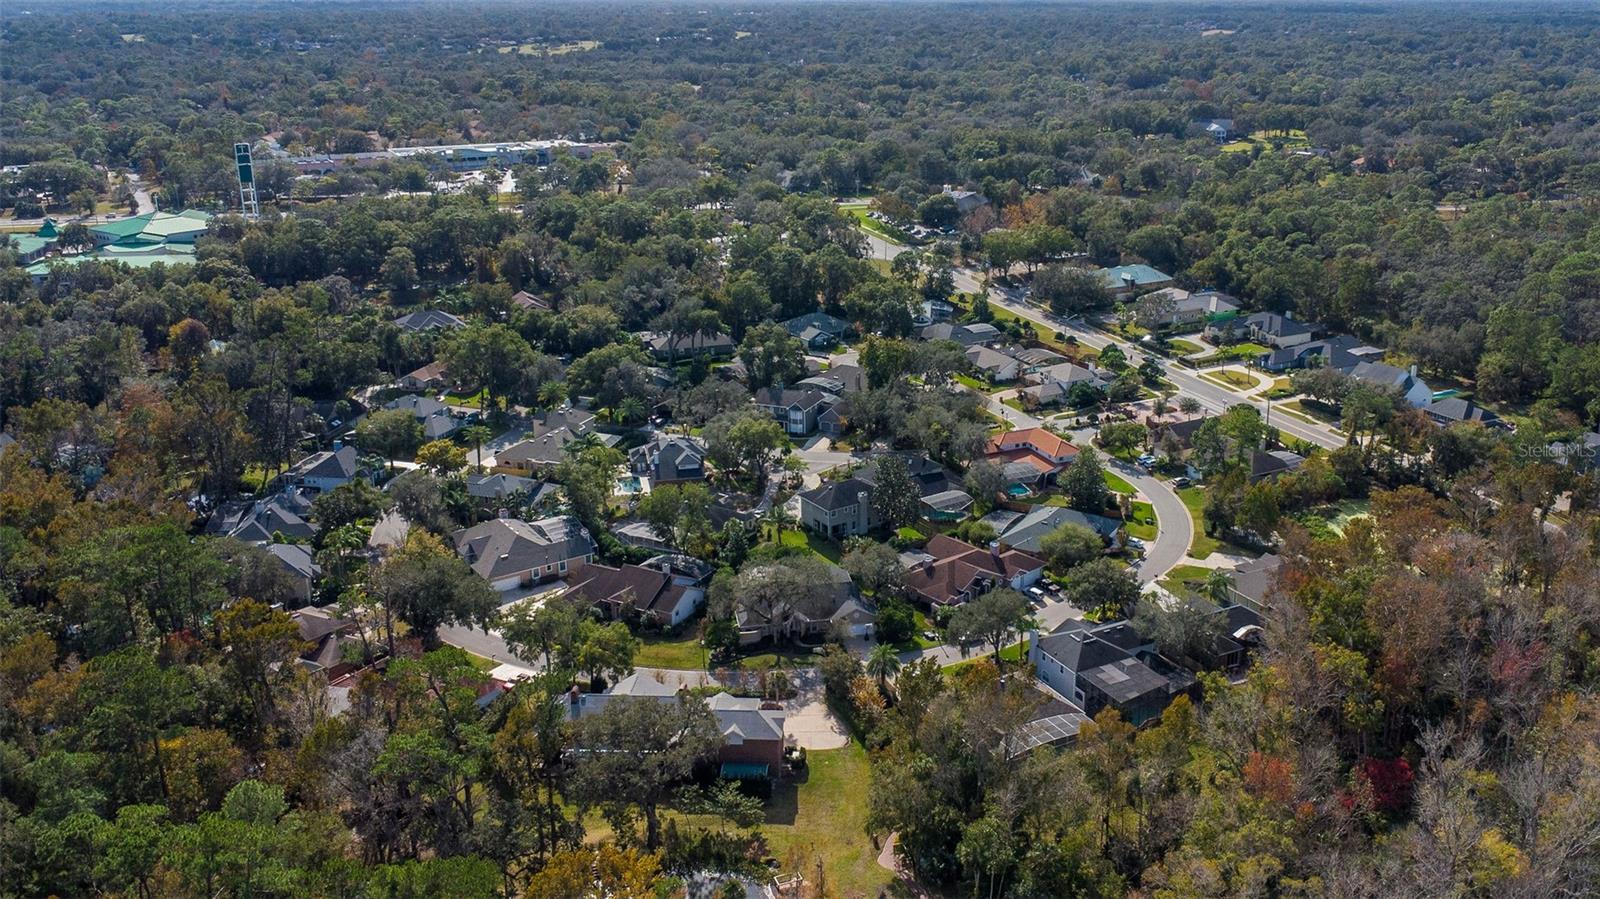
column 796, row 410
column 838, row 509
column 510, row 553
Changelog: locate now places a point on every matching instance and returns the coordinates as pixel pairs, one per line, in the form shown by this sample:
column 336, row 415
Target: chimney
column 1127, row 281
column 574, row 696
column 1413, row 369
column 994, row 552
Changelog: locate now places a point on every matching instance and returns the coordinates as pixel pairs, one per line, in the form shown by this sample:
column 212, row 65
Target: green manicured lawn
column 1117, row 484
column 825, row 818
column 481, row 663
column 1142, row 523
column 1186, row 346
column 1234, row 380
column 683, row 652
column 971, row 382
column 1300, row 410
column 879, row 228
column 822, row 546
column 459, row 399
column 1194, row 499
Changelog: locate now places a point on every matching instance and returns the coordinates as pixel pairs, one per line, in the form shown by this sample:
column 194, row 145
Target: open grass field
column 556, row 50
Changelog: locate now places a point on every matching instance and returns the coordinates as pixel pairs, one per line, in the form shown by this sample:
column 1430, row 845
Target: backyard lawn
column 970, row 382
column 825, row 818
column 822, row 546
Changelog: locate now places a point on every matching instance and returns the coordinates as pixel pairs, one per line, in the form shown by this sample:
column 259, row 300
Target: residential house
column 544, row 445
column 1254, row 580
column 1188, row 309
column 325, row 636
column 527, row 301
column 812, row 617
column 429, row 320
column 969, row 335
column 669, row 459
column 852, row 378
column 997, row 366
column 838, row 509
column 1267, row 328
column 796, row 410
column 438, row 420
column 636, row 591
column 817, row 330
column 1027, row 531
column 931, row 311
column 1055, row 384
column 298, row 563
column 1581, row 452
column 496, row 490
column 1454, row 410
column 325, row 470
column 929, row 476
column 1415, row 391
column 708, row 344
column 949, row 572
column 832, row 422
column 510, row 553
column 1340, row 352
column 430, row 377
column 1270, row 465
column 752, row 729
column 1126, row 281
column 1219, row 130
column 1097, row 666
column 1044, row 450
column 282, row 516
column 1179, row 434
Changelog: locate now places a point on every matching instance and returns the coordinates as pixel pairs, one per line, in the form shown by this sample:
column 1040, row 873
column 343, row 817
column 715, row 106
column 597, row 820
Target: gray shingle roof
column 506, row 546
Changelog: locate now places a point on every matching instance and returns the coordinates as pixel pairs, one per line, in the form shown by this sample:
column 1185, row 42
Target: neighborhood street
column 1212, row 396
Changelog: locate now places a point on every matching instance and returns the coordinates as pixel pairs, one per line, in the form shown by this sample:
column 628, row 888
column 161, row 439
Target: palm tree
column 476, row 435
column 1218, row 587
column 883, row 663
column 630, row 409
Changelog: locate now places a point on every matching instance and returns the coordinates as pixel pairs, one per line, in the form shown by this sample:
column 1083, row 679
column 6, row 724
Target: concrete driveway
column 810, row 724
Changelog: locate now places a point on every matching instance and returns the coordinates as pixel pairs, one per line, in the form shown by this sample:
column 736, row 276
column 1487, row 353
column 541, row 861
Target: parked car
column 1135, row 543
column 1180, row 483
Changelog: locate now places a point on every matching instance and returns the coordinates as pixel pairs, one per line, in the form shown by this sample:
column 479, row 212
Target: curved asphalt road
column 1174, row 527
